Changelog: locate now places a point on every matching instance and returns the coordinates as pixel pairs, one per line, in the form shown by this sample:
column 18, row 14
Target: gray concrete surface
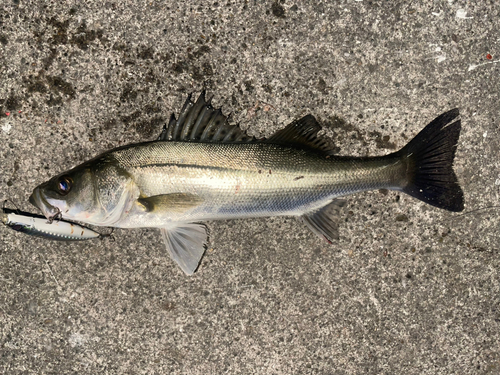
column 408, row 289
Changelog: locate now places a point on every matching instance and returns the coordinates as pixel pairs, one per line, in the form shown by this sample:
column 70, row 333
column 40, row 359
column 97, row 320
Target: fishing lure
column 36, row 225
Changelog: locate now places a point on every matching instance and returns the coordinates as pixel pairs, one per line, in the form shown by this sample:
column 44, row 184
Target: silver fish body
column 231, row 181
column 203, row 169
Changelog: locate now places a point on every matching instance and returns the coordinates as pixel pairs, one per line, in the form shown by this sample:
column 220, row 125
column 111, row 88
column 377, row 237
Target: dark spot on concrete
column 298, row 178
column 147, row 128
column 336, row 123
column 249, row 86
column 267, row 88
column 3, row 39
column 47, row 61
column 372, row 68
column 72, row 11
column 207, row 69
column 200, row 52
column 321, row 85
column 168, row 306
column 61, row 33
column 37, row 85
column 278, row 10
column 54, row 101
column 12, row 103
column 408, row 276
column 133, row 116
column 165, row 57
column 83, row 37
column 180, row 67
column 146, row 53
column 383, row 191
column 197, row 74
column 128, row 94
column 59, row 85
column 402, row 217
column 109, row 125
column 200, row 73
column 382, row 142
column 152, row 108
column 121, row 47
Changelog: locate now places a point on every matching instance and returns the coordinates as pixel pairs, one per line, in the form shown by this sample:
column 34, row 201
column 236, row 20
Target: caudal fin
column 430, row 156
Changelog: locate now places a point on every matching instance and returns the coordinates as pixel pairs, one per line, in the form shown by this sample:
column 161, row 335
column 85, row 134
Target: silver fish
column 201, row 168
column 36, row 225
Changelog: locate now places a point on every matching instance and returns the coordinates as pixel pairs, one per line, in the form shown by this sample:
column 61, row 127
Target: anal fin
column 324, row 222
column 185, row 243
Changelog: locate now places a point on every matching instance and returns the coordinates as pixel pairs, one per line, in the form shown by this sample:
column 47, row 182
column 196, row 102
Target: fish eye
column 64, row 185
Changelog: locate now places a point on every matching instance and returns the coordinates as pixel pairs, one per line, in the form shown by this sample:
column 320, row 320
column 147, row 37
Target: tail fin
column 430, row 156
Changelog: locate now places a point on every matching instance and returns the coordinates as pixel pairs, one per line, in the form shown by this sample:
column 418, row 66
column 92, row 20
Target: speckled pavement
column 408, row 288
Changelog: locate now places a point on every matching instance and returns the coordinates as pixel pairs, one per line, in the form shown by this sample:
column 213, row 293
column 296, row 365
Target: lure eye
column 64, row 185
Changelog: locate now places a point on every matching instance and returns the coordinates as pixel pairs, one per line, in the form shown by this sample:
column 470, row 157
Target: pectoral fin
column 185, row 242
column 324, row 222
column 175, row 202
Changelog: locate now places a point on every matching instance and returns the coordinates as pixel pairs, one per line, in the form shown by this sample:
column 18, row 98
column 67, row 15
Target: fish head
column 96, row 192
column 67, row 195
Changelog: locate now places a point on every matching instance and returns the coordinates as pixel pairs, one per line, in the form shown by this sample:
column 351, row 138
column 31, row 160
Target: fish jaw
column 40, row 202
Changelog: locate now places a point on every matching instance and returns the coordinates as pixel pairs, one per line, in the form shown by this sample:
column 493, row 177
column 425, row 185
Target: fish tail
column 429, row 164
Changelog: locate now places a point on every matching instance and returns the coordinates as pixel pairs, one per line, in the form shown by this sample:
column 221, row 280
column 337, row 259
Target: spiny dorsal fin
column 302, row 134
column 200, row 122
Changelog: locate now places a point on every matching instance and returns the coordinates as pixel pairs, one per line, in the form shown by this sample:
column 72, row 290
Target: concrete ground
column 408, row 289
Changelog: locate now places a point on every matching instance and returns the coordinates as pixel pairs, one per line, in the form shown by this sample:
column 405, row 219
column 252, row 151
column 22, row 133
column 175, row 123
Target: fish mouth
column 49, row 211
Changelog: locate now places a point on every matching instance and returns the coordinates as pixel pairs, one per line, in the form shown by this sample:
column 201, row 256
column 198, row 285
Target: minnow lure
column 36, row 225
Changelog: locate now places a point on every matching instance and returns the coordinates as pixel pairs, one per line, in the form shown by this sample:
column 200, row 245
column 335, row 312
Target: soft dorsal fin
column 200, row 122
column 302, row 134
